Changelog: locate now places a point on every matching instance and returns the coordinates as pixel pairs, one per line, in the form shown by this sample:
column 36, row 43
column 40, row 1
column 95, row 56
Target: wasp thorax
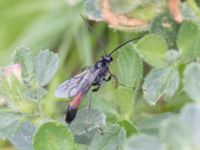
column 107, row 59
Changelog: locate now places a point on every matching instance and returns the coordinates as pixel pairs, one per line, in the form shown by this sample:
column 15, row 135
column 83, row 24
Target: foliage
column 54, row 136
column 155, row 104
column 176, row 132
column 160, row 83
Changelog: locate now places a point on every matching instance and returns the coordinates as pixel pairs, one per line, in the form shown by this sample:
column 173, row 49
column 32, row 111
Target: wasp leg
column 108, row 79
column 117, row 81
column 89, row 108
column 99, row 130
column 115, row 78
column 84, row 68
column 90, row 101
column 97, row 84
column 96, row 89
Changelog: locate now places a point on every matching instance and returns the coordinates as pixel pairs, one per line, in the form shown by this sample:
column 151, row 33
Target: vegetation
column 156, row 106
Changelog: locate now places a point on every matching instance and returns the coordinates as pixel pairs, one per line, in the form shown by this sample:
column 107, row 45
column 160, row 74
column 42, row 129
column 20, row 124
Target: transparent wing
column 74, row 85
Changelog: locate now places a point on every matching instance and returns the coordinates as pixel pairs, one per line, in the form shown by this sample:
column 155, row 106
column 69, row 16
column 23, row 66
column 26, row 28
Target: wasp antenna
column 133, row 39
column 91, row 29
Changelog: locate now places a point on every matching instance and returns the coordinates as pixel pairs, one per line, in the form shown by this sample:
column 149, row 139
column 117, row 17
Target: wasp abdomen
column 70, row 114
column 73, row 107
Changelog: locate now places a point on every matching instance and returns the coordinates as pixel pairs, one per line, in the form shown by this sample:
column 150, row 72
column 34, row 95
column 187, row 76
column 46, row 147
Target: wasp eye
column 109, row 59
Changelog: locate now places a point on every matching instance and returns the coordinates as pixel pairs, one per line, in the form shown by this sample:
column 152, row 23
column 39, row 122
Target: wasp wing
column 79, row 83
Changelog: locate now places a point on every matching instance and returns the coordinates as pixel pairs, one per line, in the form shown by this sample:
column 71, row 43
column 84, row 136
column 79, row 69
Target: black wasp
column 79, row 85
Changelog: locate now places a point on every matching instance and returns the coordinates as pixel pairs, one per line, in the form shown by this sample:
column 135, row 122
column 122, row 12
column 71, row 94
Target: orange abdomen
column 73, row 107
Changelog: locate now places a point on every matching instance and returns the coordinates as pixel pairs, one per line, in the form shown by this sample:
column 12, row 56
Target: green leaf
column 46, row 64
column 118, row 6
column 173, row 134
column 160, row 83
column 125, row 101
column 23, row 139
column 129, row 127
column 143, row 142
column 190, row 11
column 150, row 124
column 10, row 123
column 128, row 6
column 41, row 68
column 13, row 92
column 183, row 132
column 189, row 45
column 35, row 94
column 152, row 49
column 106, row 106
column 113, row 138
column 189, row 118
column 129, row 66
column 86, row 124
column 192, row 78
column 53, row 136
column 25, row 59
column 87, row 119
column 172, row 56
column 165, row 26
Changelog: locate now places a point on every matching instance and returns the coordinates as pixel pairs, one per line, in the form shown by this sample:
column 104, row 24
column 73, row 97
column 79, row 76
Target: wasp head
column 107, row 59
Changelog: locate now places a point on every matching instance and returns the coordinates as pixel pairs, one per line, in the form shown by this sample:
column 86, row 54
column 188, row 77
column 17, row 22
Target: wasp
column 92, row 76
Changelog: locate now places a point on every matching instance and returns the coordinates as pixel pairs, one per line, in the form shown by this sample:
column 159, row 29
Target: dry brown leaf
column 119, row 19
column 174, row 6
